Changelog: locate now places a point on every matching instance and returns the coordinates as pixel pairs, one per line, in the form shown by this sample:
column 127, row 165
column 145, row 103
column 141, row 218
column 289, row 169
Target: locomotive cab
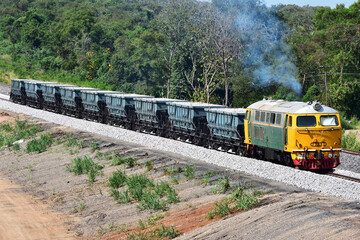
column 314, row 140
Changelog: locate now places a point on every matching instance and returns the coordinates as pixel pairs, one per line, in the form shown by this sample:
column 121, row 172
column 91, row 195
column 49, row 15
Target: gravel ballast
column 303, row 179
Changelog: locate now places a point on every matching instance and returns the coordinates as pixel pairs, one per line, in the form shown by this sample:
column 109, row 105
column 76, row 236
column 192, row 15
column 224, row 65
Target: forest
column 231, row 52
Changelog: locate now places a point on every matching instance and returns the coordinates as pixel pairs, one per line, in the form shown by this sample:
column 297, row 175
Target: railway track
column 352, row 152
column 357, row 180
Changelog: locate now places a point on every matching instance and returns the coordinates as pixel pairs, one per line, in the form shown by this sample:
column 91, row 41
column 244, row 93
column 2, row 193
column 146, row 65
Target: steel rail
column 353, row 179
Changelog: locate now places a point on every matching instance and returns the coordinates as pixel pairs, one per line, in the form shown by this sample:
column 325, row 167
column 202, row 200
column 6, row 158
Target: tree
column 172, row 23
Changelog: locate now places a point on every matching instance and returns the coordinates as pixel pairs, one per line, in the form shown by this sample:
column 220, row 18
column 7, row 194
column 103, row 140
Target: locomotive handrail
column 314, row 130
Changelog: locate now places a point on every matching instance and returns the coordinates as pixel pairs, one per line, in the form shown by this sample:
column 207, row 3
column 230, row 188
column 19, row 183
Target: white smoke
column 268, row 57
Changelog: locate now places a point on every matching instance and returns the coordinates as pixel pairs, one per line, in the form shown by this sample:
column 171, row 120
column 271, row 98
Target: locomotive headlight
column 330, row 155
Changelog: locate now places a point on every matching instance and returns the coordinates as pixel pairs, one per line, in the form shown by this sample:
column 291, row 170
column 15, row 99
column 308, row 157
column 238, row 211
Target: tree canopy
column 231, row 52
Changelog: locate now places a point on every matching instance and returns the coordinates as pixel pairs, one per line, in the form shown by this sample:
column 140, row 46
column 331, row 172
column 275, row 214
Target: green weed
column 94, row 146
column 117, row 179
column 238, row 200
column 120, row 197
column 152, row 219
column 10, row 133
column 142, row 225
column 73, row 141
column 158, row 233
column 165, row 231
column 152, row 201
column 16, row 147
column 122, row 160
column 6, row 127
column 174, row 180
column 246, row 202
column 189, row 172
column 222, row 209
column 170, row 170
column 84, row 165
column 99, row 155
column 222, row 185
column 149, row 166
column 40, row 145
column 205, row 181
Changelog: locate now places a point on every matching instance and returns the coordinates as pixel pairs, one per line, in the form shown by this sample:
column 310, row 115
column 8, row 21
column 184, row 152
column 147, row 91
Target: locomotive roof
column 197, row 104
column 291, row 107
column 227, row 110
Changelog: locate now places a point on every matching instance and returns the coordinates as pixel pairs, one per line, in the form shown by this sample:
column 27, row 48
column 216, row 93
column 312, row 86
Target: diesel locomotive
column 298, row 134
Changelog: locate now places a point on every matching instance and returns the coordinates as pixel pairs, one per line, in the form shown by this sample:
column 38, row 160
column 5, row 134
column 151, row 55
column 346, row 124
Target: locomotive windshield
column 330, row 120
column 306, row 121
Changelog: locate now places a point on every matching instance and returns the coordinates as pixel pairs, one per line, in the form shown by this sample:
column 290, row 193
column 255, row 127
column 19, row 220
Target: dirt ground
column 24, row 217
column 48, row 193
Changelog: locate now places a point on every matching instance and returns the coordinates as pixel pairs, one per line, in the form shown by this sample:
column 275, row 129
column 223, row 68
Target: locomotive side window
column 267, row 117
column 257, row 116
column 330, row 120
column 272, row 118
column 262, row 117
column 290, row 121
column 306, row 121
column 278, row 119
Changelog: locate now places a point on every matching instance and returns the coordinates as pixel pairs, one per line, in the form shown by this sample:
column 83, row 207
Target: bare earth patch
column 24, row 217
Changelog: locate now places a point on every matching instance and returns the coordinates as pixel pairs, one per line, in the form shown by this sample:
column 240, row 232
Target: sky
column 330, row 3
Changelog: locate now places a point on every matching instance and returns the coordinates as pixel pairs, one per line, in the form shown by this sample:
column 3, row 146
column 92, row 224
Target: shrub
column 350, row 142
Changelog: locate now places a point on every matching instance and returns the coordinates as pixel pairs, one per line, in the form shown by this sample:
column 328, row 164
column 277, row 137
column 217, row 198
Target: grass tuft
column 85, row 165
column 40, row 145
column 189, row 172
column 117, row 179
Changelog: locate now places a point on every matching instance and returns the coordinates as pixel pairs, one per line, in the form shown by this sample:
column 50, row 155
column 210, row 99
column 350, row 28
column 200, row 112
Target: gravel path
column 4, row 89
column 303, row 179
